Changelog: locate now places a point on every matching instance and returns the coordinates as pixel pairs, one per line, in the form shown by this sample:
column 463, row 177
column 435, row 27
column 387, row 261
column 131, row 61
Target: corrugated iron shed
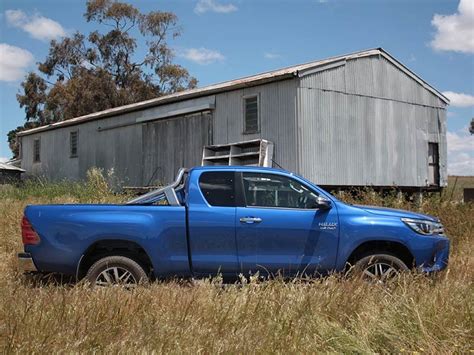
column 253, row 80
column 354, row 120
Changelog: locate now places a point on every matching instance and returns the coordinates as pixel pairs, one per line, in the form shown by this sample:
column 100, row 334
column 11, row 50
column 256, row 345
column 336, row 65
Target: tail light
column 28, row 234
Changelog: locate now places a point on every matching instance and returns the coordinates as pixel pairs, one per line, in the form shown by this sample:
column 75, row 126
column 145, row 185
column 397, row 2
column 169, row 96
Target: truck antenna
column 274, row 162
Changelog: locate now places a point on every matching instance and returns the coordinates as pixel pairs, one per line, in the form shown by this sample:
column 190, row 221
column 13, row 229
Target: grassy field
column 412, row 314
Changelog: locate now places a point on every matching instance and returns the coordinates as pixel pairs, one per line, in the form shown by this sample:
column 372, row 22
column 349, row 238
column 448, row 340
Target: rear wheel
column 116, row 270
column 379, row 267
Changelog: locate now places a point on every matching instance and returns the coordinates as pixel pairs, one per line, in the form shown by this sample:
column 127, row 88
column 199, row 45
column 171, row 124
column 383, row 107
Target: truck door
column 280, row 230
column 211, row 223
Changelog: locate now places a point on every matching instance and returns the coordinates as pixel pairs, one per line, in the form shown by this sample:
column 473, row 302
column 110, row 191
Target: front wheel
column 116, row 270
column 379, row 267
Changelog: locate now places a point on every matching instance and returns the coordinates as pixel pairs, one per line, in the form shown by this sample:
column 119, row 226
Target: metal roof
column 5, row 166
column 253, row 80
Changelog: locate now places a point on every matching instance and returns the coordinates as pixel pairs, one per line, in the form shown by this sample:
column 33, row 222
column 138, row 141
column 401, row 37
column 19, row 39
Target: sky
column 227, row 39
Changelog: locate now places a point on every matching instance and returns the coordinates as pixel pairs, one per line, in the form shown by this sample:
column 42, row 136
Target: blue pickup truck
column 229, row 221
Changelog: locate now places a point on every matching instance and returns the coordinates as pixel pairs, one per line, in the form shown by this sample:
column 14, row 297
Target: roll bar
column 168, row 192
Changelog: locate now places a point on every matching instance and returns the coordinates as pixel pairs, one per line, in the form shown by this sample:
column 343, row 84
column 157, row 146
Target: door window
column 218, row 188
column 269, row 190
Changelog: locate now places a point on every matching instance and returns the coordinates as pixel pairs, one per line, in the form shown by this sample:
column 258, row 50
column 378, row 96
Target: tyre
column 116, row 270
column 379, row 267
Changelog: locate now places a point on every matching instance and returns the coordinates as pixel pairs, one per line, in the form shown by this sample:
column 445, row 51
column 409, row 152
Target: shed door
column 172, row 144
column 433, row 164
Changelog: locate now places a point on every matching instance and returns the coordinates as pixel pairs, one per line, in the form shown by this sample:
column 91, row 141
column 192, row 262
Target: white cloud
column 37, row 26
column 3, row 159
column 269, row 55
column 461, row 164
column 455, row 32
column 13, row 62
column 201, row 55
column 459, row 99
column 460, row 153
column 204, row 6
column 461, row 141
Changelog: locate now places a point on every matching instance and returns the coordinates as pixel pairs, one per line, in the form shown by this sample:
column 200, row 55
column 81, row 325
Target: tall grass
column 412, row 314
column 97, row 188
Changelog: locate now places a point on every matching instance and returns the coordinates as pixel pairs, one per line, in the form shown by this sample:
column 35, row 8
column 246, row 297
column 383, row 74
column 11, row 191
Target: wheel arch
column 394, row 248
column 108, row 247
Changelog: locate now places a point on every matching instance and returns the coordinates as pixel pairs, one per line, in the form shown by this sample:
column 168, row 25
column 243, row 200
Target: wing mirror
column 323, row 203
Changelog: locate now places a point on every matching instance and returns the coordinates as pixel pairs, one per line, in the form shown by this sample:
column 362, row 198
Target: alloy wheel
column 115, row 276
column 379, row 272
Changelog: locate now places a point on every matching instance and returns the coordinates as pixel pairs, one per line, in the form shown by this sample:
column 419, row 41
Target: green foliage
column 33, row 98
column 13, row 143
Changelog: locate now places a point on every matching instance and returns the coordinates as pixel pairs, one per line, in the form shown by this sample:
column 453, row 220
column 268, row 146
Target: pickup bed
column 229, row 221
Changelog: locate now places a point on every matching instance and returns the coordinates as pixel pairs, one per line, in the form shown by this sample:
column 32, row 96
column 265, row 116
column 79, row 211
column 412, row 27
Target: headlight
column 423, row 226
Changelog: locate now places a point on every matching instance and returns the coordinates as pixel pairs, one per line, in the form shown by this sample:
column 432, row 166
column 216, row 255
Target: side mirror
column 323, row 203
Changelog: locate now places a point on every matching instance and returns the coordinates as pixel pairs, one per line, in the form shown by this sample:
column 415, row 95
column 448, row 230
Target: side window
column 269, row 190
column 218, row 188
column 36, row 150
column 73, row 144
column 251, row 113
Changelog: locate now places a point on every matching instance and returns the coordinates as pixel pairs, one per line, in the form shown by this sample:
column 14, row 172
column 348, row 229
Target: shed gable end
column 374, row 76
column 378, row 77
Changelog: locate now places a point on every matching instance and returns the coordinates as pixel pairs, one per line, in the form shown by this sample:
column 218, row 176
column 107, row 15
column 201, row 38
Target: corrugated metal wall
column 172, row 144
column 368, row 123
column 359, row 122
column 118, row 150
column 117, row 144
column 277, row 119
column 54, row 153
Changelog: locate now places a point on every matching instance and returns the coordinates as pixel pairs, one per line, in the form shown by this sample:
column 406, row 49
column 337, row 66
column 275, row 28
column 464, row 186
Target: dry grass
column 456, row 186
column 414, row 314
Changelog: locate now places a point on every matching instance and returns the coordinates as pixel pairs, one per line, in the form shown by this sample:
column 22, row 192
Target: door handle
column 250, row 220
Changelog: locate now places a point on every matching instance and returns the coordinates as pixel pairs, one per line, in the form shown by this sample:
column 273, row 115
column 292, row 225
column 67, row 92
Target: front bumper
column 440, row 257
column 25, row 263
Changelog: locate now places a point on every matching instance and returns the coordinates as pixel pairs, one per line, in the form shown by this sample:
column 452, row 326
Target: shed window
column 73, row 143
column 251, row 113
column 36, row 150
